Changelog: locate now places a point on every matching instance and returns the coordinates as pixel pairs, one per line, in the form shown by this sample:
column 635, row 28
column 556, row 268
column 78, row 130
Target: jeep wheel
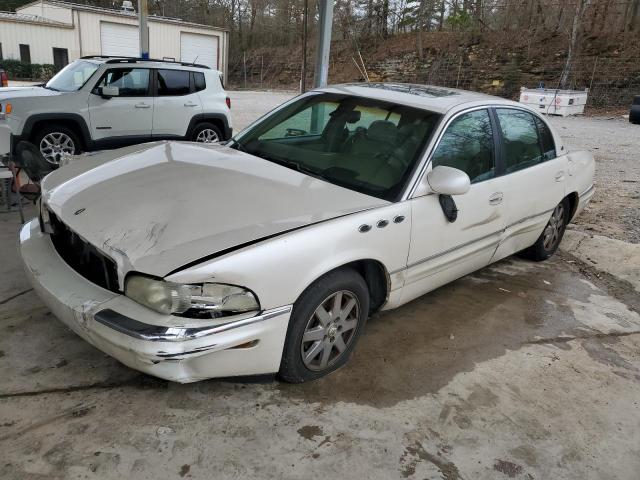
column 206, row 133
column 54, row 141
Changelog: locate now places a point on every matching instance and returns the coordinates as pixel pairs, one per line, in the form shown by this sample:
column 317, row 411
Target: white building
column 56, row 32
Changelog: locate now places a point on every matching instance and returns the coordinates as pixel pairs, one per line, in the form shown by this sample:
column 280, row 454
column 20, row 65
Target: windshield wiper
column 49, row 88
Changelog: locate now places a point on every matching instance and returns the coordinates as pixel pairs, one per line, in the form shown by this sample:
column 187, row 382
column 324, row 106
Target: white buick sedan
column 268, row 254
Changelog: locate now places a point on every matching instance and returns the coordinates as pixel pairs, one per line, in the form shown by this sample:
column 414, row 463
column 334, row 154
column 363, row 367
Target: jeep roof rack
column 123, row 59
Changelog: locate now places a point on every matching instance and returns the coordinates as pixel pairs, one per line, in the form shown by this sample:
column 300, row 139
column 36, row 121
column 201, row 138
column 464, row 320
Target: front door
column 442, row 251
column 176, row 102
column 130, row 114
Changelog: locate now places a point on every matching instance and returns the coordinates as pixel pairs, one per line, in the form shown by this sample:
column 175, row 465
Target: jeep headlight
column 206, row 300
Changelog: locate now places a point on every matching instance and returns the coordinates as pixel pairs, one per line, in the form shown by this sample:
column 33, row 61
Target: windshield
column 367, row 145
column 73, row 76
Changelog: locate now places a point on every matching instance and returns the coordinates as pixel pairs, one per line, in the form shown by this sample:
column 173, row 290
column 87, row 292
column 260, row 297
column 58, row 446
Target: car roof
column 429, row 97
column 152, row 62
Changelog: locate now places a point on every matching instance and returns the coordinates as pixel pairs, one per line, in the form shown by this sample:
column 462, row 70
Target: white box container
column 555, row 102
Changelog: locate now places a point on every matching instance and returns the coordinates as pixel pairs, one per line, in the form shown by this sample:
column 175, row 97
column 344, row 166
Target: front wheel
column 325, row 324
column 551, row 236
column 55, row 141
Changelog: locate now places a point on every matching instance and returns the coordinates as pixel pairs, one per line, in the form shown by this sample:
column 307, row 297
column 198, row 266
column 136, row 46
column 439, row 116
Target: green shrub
column 17, row 69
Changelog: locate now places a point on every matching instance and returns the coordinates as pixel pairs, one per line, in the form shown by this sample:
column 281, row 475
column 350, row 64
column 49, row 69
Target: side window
column 520, row 139
column 173, row 83
column 132, row 82
column 199, row 82
column 546, row 139
column 467, row 145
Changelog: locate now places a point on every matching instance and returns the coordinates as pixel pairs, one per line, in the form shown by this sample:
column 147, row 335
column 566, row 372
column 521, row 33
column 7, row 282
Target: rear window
column 173, row 83
column 199, row 82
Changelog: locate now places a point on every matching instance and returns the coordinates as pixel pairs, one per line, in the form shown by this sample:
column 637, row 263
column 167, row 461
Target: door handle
column 496, row 198
column 142, row 105
column 559, row 176
column 190, row 104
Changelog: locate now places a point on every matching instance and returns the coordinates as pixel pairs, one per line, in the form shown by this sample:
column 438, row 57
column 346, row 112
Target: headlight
column 207, row 300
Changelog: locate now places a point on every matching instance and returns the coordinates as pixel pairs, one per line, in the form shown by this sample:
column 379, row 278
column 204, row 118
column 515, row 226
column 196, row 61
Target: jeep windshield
column 367, row 145
column 73, row 76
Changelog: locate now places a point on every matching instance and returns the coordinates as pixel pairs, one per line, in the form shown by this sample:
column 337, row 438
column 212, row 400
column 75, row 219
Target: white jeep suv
column 103, row 102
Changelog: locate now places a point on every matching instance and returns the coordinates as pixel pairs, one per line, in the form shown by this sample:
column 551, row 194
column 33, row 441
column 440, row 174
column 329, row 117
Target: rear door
column 175, row 104
column 130, row 114
column 535, row 177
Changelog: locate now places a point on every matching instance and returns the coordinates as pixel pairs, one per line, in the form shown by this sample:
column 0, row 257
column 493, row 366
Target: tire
column 67, row 140
column 551, row 236
column 206, row 130
column 326, row 335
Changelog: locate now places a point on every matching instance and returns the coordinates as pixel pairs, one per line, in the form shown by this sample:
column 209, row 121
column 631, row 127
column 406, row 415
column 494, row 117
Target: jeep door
column 127, row 115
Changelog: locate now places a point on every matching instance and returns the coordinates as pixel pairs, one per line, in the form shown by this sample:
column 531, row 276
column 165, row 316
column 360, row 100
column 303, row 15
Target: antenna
column 195, row 60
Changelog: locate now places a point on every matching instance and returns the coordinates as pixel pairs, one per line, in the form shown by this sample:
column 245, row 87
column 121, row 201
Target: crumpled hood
column 8, row 93
column 156, row 207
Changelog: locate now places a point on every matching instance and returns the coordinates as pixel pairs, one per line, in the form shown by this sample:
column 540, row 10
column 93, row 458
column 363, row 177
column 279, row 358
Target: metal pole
column 143, row 11
column 324, row 43
column 303, row 74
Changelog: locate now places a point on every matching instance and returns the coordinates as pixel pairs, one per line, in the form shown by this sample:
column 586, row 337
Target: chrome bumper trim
column 157, row 333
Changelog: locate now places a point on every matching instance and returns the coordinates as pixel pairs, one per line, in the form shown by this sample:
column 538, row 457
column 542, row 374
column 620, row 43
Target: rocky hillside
column 495, row 62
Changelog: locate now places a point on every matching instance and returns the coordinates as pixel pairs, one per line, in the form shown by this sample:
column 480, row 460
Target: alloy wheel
column 207, row 135
column 56, row 144
column 330, row 330
column 553, row 231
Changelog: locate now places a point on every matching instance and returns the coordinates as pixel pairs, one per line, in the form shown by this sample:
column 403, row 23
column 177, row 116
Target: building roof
column 118, row 13
column 434, row 98
column 24, row 18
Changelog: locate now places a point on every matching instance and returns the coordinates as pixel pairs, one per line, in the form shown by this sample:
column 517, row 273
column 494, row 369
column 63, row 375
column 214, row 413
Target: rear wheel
column 206, row 133
column 54, row 141
column 325, row 325
column 551, row 236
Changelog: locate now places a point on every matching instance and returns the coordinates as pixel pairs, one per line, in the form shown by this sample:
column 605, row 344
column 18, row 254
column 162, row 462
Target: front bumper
column 147, row 341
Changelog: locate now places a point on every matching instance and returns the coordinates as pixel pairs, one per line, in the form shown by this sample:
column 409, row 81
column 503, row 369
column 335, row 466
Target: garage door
column 201, row 49
column 119, row 40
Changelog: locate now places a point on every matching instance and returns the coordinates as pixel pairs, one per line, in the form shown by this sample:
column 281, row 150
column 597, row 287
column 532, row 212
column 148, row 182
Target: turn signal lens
column 8, row 108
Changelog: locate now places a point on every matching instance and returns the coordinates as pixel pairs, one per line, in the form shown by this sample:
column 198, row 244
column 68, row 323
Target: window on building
column 25, row 53
column 60, row 58
column 173, row 83
column 1, row 58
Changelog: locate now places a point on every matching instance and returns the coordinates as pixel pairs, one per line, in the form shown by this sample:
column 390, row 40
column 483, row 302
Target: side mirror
column 108, row 92
column 448, row 181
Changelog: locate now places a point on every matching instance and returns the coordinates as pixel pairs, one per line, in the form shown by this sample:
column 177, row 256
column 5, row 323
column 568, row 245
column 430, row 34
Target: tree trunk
column 581, row 6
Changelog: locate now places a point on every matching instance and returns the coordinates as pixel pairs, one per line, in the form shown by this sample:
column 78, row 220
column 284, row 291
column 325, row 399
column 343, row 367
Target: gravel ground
column 614, row 211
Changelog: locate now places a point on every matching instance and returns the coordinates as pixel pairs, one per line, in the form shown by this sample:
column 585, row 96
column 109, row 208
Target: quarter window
column 520, row 139
column 173, row 83
column 467, row 145
column 132, row 82
column 198, row 78
column 546, row 139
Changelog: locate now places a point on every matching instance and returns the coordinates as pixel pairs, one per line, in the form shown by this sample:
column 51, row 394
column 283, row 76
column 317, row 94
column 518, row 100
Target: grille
column 83, row 257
